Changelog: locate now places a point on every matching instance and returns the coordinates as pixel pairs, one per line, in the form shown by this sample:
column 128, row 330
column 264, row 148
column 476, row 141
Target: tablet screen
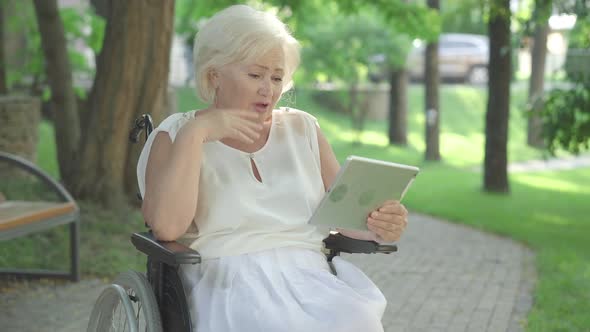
column 360, row 187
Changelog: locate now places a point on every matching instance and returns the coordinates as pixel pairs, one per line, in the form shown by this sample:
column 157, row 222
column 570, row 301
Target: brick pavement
column 449, row 277
column 445, row 277
column 49, row 307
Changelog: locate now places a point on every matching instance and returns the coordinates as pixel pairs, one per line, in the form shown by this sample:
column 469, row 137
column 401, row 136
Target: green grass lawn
column 546, row 211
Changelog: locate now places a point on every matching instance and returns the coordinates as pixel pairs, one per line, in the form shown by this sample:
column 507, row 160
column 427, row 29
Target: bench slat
column 19, row 213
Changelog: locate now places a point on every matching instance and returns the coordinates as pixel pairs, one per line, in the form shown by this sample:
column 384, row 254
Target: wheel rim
column 115, row 312
column 126, row 305
column 141, row 298
column 129, row 321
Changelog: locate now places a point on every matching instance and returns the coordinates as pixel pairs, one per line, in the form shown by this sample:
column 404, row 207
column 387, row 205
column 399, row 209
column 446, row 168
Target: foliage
column 579, row 7
column 188, row 15
column 579, row 36
column 341, row 51
column 566, row 118
column 404, row 17
column 577, row 64
column 566, row 111
column 84, row 31
column 463, row 16
column 31, row 55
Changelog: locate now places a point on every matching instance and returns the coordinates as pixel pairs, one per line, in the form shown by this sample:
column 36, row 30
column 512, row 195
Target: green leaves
column 188, row 14
column 566, row 112
column 84, row 31
column 341, row 50
column 416, row 21
column 566, row 118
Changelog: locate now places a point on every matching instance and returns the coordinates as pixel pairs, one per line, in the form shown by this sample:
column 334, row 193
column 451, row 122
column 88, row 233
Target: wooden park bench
column 19, row 218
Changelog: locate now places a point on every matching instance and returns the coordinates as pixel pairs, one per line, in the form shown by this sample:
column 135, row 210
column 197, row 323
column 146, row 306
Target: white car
column 460, row 56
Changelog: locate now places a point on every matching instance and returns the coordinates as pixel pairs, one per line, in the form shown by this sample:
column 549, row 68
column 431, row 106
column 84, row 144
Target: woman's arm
column 172, row 182
column 173, row 168
column 328, row 161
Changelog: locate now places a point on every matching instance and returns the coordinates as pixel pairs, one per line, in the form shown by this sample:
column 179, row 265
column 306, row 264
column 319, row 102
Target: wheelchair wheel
column 128, row 304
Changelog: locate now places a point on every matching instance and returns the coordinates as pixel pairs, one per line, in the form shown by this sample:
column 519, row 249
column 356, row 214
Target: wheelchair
column 156, row 301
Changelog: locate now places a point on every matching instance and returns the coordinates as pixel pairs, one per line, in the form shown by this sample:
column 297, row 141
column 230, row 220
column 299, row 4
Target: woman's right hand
column 218, row 124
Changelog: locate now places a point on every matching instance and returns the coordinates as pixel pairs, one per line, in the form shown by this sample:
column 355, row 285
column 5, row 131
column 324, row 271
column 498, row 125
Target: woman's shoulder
column 287, row 112
column 175, row 121
column 298, row 121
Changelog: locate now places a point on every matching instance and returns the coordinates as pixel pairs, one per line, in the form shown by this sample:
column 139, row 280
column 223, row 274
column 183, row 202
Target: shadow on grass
column 105, row 246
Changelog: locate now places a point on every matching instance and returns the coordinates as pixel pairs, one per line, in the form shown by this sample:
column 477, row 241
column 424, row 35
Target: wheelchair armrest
column 171, row 253
column 340, row 243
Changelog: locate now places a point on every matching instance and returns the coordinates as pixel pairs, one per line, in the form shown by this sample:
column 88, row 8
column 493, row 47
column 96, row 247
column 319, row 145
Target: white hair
column 240, row 33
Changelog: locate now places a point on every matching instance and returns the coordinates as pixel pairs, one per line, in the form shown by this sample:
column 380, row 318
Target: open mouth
column 261, row 107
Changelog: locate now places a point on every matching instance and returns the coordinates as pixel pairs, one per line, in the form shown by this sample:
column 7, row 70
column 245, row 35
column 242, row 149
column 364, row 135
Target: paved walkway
column 564, row 163
column 538, row 165
column 445, row 277
column 448, row 277
column 49, row 307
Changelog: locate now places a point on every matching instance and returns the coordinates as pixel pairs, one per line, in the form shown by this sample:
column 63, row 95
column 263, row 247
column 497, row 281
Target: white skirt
column 284, row 289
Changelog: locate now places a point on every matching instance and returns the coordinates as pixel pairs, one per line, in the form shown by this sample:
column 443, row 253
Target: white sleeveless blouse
column 238, row 214
column 262, row 268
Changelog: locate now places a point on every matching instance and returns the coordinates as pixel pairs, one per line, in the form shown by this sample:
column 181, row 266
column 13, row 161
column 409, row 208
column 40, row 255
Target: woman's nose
column 265, row 88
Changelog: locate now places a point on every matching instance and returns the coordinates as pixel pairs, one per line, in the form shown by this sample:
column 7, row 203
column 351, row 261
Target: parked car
column 460, row 56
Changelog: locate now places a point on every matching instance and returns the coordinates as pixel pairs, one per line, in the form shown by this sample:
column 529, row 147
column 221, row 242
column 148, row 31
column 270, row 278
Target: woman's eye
column 277, row 79
column 254, row 75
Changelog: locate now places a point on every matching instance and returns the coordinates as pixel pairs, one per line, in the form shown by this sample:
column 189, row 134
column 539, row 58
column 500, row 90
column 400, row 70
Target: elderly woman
column 239, row 180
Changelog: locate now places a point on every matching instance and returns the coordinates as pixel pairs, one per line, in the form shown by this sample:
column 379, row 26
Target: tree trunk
column 431, row 79
column 59, row 75
column 131, row 79
column 398, row 107
column 537, row 79
column 3, row 85
column 495, row 164
column 101, row 7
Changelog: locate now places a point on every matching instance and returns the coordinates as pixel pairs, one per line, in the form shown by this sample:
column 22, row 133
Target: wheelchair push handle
column 141, row 123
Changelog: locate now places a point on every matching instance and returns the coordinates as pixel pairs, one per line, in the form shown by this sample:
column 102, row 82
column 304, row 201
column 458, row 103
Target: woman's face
column 255, row 86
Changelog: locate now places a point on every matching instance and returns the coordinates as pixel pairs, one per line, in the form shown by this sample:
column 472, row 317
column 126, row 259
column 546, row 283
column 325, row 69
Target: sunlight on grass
column 543, row 181
column 374, row 138
column 552, row 219
column 462, row 151
column 416, row 140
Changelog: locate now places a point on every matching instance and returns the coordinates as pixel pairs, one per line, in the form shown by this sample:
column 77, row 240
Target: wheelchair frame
column 163, row 280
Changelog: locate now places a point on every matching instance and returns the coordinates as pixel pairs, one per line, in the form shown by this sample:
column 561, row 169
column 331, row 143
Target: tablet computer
column 361, row 186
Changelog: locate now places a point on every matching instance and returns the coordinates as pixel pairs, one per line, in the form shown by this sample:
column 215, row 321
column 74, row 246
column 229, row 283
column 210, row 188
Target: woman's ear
column 213, row 76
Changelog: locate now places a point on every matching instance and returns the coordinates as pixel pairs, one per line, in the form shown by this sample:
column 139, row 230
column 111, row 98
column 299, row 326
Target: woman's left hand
column 388, row 221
